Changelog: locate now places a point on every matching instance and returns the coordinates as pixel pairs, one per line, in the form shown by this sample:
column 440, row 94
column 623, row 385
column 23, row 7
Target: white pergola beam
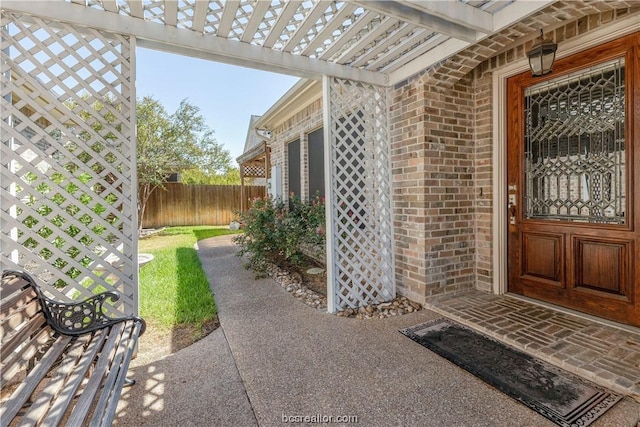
column 432, row 40
column 405, row 12
column 309, row 20
column 428, row 59
column 171, row 12
column 328, row 29
column 110, row 5
column 427, row 46
column 389, row 41
column 136, row 9
column 283, row 19
column 228, row 16
column 354, row 29
column 171, row 39
column 517, row 11
column 502, row 19
column 456, row 12
column 200, row 16
column 384, row 26
column 257, row 15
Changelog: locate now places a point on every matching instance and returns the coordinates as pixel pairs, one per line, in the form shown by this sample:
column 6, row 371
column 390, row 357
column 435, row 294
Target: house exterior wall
column 298, row 126
column 442, row 136
column 432, row 139
column 442, row 147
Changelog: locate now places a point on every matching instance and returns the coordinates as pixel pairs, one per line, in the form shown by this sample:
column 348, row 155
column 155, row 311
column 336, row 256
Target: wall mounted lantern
column 542, row 55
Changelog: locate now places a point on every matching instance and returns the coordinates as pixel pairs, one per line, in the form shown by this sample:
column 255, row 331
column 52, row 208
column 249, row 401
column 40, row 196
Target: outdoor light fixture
column 264, row 133
column 542, row 55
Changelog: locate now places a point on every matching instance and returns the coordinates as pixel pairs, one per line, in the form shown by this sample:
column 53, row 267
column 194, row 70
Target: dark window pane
column 316, row 163
column 294, row 168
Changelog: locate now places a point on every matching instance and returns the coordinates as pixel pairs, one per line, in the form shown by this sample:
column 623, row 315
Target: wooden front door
column 574, row 182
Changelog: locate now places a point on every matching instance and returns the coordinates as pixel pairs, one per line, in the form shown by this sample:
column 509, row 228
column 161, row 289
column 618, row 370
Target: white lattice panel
column 360, row 250
column 68, row 210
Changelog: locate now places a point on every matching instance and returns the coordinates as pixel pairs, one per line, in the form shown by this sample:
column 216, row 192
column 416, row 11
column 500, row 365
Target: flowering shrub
column 275, row 233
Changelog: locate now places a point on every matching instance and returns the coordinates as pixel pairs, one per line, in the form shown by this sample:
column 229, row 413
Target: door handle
column 512, row 208
column 513, row 211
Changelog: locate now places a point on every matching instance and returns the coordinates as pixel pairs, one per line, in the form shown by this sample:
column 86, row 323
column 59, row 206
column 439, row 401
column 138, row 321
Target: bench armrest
column 82, row 317
column 76, row 318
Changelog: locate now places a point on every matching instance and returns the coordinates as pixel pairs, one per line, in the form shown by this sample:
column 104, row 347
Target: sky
column 226, row 95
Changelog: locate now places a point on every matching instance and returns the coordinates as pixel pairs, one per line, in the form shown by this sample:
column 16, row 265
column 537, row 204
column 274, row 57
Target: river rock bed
column 293, row 283
column 395, row 307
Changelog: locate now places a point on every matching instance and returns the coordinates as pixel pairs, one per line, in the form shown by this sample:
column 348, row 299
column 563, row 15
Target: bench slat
column 12, row 365
column 109, row 382
column 17, row 318
column 22, row 336
column 11, row 303
column 14, row 284
column 66, row 395
column 122, row 375
column 86, row 399
column 24, row 390
column 46, row 396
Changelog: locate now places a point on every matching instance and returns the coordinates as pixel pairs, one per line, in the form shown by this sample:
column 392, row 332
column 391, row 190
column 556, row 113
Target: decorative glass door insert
column 575, row 146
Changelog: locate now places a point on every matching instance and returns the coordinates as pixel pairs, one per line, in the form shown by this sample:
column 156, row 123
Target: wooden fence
column 183, row 204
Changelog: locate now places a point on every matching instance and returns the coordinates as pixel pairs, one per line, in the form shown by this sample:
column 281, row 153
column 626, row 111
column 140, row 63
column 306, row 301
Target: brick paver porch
column 605, row 353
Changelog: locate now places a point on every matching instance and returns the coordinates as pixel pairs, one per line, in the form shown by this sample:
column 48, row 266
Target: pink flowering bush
column 274, row 232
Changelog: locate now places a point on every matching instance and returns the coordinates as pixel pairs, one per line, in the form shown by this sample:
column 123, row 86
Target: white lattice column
column 360, row 268
column 68, row 186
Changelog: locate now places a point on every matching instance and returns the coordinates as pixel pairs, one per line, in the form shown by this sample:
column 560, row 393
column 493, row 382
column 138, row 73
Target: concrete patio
column 274, row 358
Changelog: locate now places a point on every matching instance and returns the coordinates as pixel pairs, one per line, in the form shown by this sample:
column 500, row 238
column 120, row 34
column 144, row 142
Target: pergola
column 68, row 117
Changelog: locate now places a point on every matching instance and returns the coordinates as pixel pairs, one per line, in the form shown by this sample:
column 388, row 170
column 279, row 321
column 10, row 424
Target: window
column 575, row 146
column 316, row 163
column 293, row 171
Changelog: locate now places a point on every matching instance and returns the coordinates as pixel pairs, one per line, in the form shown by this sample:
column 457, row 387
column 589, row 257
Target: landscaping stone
column 293, row 283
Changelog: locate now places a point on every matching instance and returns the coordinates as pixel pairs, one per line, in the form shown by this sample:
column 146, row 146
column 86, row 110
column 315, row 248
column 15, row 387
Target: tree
column 170, row 144
column 230, row 176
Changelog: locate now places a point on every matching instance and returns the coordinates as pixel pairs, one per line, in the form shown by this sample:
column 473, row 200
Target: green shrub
column 259, row 240
column 274, row 233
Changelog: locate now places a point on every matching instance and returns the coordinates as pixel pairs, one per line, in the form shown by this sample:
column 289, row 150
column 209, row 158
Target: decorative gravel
column 292, row 283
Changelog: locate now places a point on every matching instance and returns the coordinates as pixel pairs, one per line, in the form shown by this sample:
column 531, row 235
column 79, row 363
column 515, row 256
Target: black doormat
column 558, row 395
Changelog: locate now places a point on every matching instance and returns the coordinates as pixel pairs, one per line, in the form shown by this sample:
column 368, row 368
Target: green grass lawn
column 174, row 290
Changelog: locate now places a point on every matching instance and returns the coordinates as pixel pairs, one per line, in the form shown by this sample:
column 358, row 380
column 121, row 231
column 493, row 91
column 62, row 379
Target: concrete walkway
column 275, row 358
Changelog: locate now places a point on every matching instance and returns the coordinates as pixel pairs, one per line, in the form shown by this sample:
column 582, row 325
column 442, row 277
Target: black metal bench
column 61, row 363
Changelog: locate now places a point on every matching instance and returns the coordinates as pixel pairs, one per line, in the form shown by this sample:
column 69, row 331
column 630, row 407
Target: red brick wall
column 442, row 142
column 432, row 139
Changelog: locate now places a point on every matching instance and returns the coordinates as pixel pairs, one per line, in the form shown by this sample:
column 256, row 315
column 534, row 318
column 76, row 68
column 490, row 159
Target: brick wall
column 432, row 166
column 442, row 141
column 296, row 127
column 483, row 181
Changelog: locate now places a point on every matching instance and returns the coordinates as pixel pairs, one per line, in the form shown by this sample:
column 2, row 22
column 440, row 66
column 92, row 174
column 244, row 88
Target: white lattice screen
column 358, row 174
column 68, row 211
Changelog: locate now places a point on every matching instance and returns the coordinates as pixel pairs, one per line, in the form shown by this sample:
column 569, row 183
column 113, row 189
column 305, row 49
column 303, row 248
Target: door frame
column 599, row 36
